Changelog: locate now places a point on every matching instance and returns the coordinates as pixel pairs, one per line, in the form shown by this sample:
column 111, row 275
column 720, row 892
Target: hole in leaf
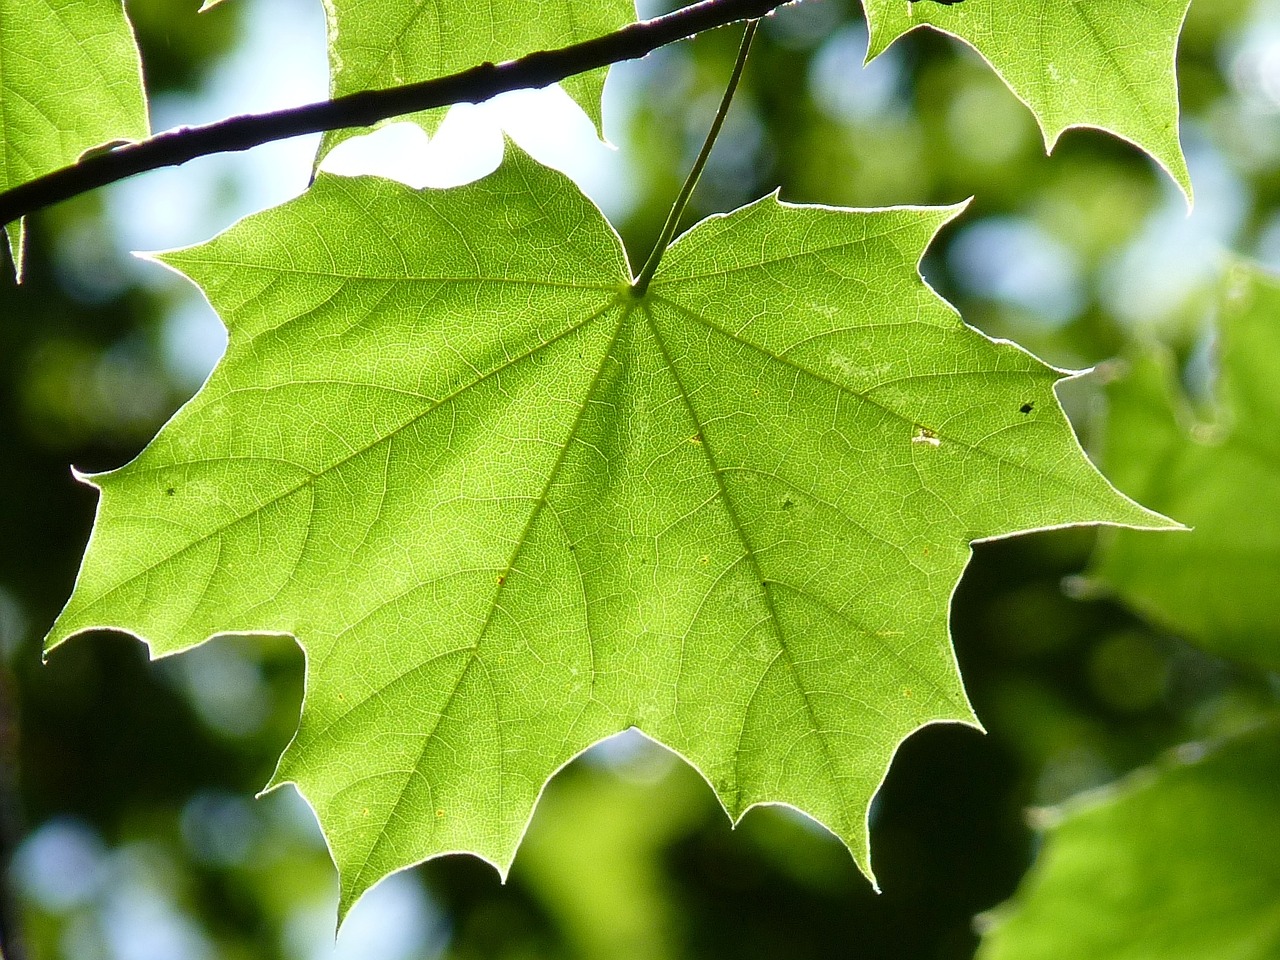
column 927, row 436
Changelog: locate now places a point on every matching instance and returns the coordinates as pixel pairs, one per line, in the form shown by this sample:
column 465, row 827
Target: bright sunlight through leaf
column 509, row 509
column 1075, row 64
column 48, row 117
column 375, row 44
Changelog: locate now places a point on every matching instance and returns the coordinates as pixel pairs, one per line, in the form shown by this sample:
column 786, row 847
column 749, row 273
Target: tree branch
column 367, row 107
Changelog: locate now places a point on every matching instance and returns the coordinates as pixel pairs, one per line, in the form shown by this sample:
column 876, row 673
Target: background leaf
column 1074, row 64
column 509, row 510
column 70, row 79
column 374, row 44
column 1217, row 584
column 1175, row 864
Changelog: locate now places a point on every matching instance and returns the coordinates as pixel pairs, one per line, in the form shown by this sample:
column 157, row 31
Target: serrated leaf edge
column 1181, row 176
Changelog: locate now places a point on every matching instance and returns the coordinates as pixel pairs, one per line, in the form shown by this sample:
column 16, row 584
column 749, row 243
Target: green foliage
column 70, row 79
column 1182, row 862
column 509, row 509
column 1178, row 863
column 1216, row 584
column 1105, row 65
column 383, row 43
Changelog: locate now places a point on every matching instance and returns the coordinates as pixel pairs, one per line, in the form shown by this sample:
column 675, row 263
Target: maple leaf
column 1178, row 862
column 375, row 44
column 70, row 79
column 1075, row 64
column 510, row 508
column 1216, row 584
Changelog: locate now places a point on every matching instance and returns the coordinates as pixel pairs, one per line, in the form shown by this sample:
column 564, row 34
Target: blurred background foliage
column 128, row 813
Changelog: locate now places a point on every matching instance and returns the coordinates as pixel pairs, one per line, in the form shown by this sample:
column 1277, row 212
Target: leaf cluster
column 510, row 503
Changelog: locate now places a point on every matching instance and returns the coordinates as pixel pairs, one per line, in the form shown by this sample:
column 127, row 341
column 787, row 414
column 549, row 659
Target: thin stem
column 641, row 283
column 367, row 107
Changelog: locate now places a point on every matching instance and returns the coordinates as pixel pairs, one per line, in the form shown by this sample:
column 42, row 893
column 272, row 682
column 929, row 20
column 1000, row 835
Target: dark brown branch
column 370, row 106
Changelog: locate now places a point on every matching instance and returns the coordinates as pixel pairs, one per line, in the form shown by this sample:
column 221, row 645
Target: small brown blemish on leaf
column 1027, row 407
column 439, row 814
column 364, row 812
column 501, row 579
column 788, row 504
column 906, row 692
column 170, row 492
column 696, row 438
column 704, row 559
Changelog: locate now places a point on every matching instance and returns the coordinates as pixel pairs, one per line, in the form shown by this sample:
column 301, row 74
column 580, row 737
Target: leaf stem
column 641, row 283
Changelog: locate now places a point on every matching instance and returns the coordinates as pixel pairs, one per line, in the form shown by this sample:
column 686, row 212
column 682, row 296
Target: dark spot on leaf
column 170, row 492
column 1026, row 407
column 501, row 580
column 788, row 504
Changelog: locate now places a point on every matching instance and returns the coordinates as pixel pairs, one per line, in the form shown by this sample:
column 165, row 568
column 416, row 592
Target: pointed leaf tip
column 508, row 511
column 386, row 43
column 55, row 107
column 1072, row 64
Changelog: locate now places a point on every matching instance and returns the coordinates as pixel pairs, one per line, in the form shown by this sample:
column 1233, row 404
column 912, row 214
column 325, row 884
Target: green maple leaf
column 1178, row 863
column 375, row 44
column 1075, row 63
column 70, row 79
column 509, row 509
column 1216, row 584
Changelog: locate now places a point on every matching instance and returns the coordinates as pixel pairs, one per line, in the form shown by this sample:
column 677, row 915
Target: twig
column 367, row 107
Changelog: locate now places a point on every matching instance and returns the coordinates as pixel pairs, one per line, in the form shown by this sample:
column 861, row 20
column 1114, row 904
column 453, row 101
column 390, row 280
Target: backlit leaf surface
column 375, row 44
column 70, row 79
column 508, row 509
column 1217, row 584
column 1178, row 863
column 1075, row 63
